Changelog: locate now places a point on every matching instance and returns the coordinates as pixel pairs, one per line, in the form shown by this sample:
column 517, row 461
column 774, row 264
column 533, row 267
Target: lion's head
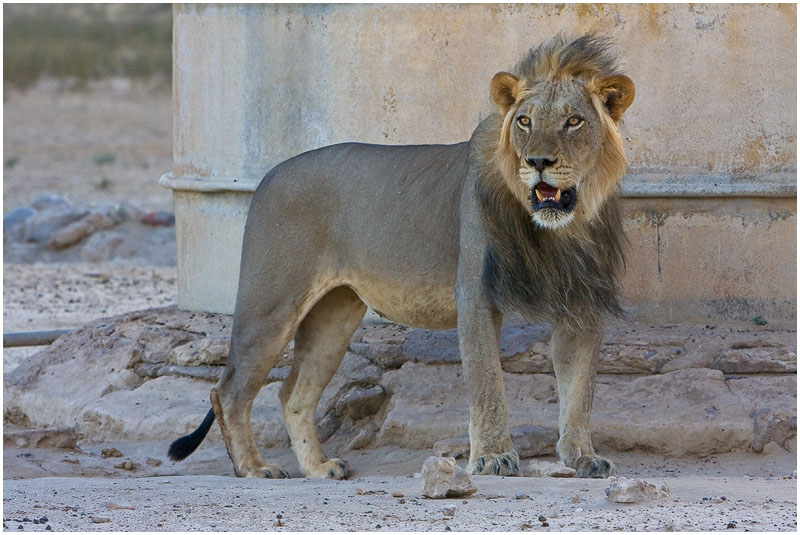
column 559, row 148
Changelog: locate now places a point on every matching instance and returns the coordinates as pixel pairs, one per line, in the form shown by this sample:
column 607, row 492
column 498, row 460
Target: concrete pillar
column 711, row 138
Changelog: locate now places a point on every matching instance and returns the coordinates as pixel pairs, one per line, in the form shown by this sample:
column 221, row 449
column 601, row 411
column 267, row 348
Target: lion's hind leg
column 319, row 346
column 257, row 342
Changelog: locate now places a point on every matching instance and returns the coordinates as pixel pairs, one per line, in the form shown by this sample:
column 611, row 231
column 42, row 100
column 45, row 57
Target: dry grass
column 77, row 43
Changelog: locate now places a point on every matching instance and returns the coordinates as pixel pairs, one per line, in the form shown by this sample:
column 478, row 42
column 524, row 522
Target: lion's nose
column 540, row 163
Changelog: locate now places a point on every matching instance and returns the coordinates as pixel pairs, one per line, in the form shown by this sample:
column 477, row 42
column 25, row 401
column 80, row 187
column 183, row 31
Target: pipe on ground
column 32, row 338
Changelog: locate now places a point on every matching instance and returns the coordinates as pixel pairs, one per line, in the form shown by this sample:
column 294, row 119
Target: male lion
column 522, row 218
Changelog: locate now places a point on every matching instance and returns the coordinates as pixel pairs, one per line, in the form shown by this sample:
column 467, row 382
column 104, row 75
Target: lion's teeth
column 558, row 195
column 539, row 195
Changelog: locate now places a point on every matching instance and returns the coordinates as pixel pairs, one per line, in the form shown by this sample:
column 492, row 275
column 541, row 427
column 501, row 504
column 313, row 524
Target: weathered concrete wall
column 714, row 118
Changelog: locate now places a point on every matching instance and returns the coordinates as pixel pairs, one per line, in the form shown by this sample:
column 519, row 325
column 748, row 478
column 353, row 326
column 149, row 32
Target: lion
column 522, row 218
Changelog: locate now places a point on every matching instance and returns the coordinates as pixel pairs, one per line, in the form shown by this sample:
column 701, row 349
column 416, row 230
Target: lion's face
column 560, row 149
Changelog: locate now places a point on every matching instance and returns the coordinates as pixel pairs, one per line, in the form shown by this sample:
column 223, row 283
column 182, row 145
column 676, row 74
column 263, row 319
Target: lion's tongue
column 546, row 189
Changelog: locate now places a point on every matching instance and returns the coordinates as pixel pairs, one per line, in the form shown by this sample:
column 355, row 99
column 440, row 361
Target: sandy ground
column 39, row 297
column 729, row 492
column 63, row 142
column 58, row 141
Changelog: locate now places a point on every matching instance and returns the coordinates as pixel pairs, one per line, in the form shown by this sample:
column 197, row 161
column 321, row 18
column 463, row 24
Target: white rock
column 442, row 477
column 119, row 505
column 624, row 490
column 548, row 469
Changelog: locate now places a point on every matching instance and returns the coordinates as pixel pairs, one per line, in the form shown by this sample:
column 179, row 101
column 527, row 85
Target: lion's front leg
column 491, row 449
column 575, row 356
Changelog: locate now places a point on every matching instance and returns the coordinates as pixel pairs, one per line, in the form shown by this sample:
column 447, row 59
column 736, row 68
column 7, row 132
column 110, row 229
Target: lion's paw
column 331, row 469
column 267, row 471
column 494, row 464
column 594, row 466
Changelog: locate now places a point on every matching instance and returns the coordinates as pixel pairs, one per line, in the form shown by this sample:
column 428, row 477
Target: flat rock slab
column 182, row 503
column 630, row 348
column 693, row 411
column 146, row 376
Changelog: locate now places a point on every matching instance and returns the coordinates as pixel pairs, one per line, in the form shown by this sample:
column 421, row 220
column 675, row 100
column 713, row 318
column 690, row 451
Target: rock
column 442, row 477
column 110, row 452
column 59, row 437
column 78, row 230
column 358, row 370
column 387, row 356
column 127, row 211
column 152, row 462
column 43, row 224
column 450, row 510
column 770, row 425
column 525, row 348
column 381, row 333
column 530, row 441
column 690, row 411
column 432, row 347
column 624, row 490
column 363, row 439
column 643, row 357
column 97, row 519
column 548, row 469
column 52, row 387
column 158, row 219
column 422, row 412
column 328, row 426
column 49, row 200
column 361, row 402
column 16, row 217
column 101, row 246
column 119, row 505
column 205, row 373
column 168, row 407
column 452, row 447
column 766, row 358
column 533, row 440
column 354, row 370
column 441, row 347
column 128, row 465
column 205, row 351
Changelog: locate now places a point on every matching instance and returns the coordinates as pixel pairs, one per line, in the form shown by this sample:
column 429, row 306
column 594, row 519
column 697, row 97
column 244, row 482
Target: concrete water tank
column 710, row 139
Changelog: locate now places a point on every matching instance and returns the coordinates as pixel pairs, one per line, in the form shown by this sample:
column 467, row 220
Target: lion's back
column 383, row 219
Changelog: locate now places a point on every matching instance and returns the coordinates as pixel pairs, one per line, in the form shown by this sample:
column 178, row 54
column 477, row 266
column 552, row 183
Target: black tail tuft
column 184, row 446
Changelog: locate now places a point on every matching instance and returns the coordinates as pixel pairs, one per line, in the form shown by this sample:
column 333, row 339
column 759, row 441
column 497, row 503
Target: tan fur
column 439, row 236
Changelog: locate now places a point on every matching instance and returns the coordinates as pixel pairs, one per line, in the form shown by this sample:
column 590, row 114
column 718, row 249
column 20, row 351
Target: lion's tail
column 184, row 446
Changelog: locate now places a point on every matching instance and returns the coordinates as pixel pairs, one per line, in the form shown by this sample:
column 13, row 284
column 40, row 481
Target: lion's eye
column 574, row 121
column 524, row 122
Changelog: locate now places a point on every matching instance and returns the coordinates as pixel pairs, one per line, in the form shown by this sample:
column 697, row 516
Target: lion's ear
column 617, row 94
column 505, row 87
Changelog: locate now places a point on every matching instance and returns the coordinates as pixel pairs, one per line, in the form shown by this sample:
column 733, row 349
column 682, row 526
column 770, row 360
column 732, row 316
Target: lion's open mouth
column 546, row 196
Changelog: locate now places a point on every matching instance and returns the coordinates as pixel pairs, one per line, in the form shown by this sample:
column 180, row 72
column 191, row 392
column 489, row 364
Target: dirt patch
column 385, row 494
column 108, row 143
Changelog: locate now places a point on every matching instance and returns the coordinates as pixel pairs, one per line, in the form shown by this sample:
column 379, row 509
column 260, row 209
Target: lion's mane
column 572, row 274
